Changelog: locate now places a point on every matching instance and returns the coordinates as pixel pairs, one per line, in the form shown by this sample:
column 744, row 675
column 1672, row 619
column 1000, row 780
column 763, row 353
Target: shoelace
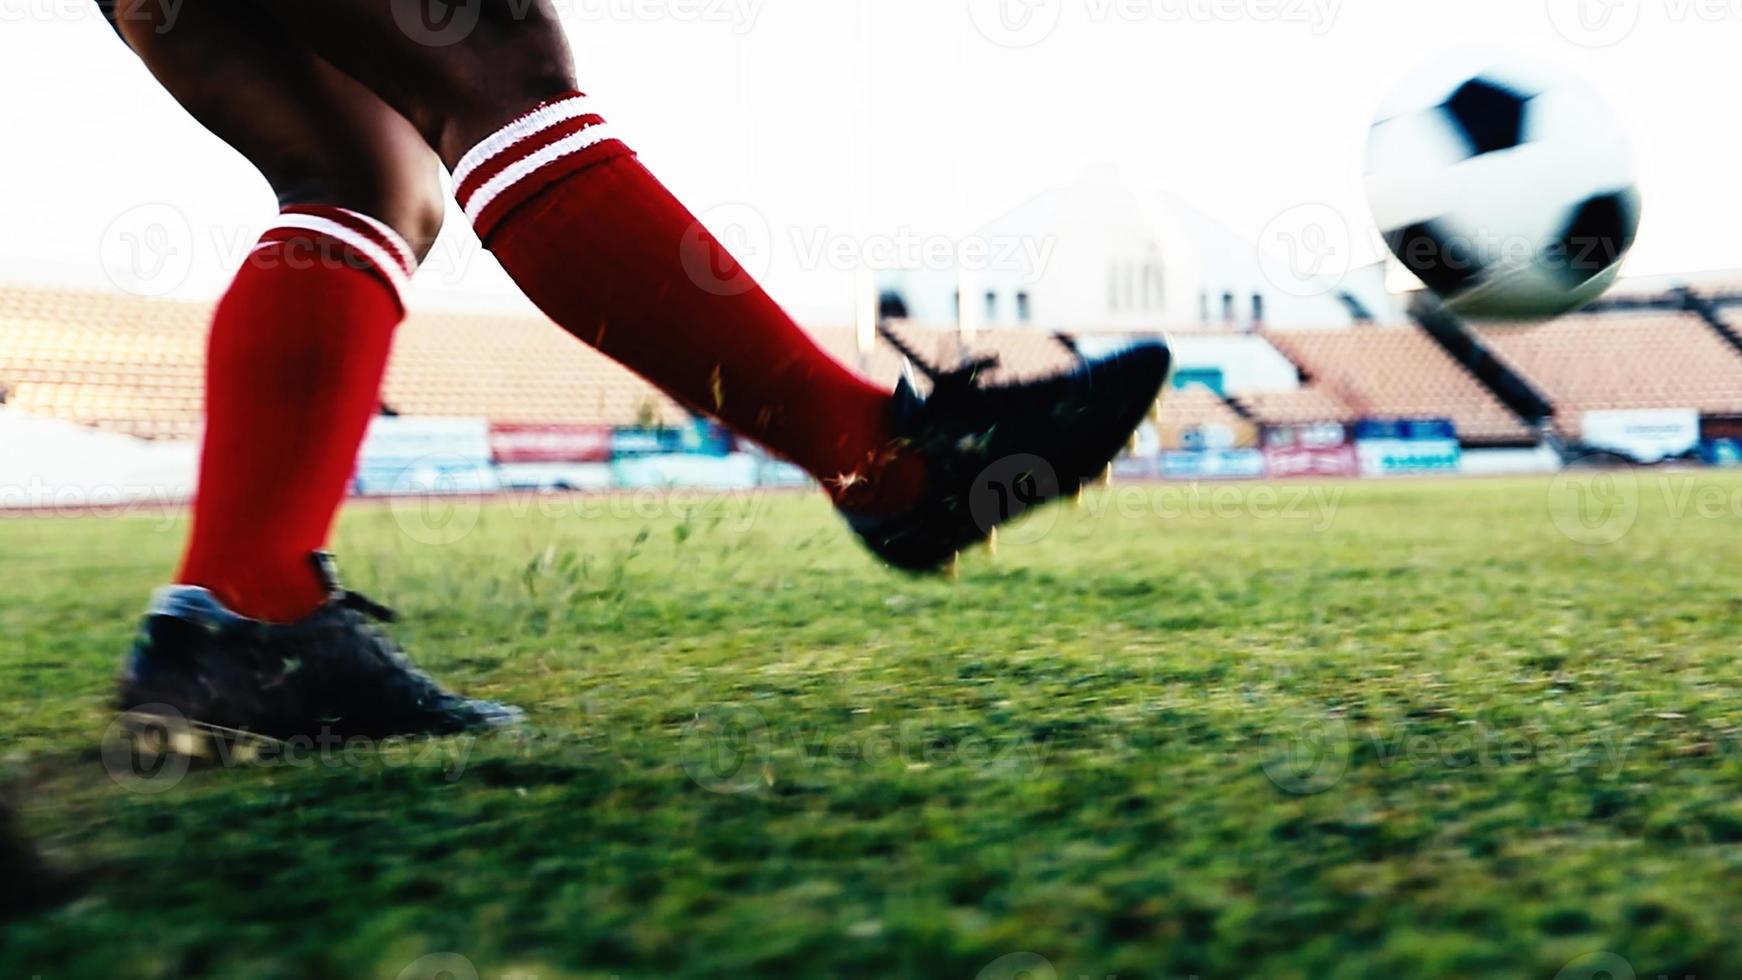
column 369, row 607
column 967, row 375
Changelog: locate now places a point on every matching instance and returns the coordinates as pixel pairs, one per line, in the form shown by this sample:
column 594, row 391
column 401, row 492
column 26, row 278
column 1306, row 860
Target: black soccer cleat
column 994, row 453
column 333, row 674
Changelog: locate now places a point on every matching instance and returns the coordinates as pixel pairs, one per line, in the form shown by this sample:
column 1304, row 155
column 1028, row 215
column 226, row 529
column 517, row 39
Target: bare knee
column 414, row 208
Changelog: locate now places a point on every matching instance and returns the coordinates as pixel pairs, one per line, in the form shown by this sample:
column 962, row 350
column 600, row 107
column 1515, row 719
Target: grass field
column 1404, row 730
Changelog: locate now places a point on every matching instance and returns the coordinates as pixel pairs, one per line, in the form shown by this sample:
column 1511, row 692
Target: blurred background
column 1099, row 169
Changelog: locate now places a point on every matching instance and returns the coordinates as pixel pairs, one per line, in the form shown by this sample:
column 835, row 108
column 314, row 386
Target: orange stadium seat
column 1400, row 372
column 1199, row 408
column 1306, row 406
column 1639, row 360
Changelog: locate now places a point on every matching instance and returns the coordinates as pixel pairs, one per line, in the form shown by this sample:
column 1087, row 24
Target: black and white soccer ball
column 1511, row 190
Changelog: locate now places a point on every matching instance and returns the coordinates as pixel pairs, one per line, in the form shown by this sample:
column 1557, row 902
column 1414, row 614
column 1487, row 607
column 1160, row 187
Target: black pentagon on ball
column 1597, row 235
column 1489, row 116
column 1444, row 262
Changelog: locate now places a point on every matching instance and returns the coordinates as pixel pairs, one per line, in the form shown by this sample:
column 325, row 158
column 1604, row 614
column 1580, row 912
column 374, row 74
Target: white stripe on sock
column 526, row 126
column 521, row 169
column 408, row 261
column 377, row 256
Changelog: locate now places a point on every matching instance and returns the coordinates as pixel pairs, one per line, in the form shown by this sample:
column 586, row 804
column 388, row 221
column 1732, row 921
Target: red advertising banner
column 1302, row 461
column 1310, row 450
column 551, row 443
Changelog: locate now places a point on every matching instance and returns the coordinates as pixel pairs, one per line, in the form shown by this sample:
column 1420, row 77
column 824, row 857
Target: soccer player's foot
column 333, row 674
column 994, row 453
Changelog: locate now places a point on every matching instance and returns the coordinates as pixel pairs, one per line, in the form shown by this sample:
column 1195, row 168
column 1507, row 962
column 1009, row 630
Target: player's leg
column 298, row 348
column 300, row 340
column 604, row 249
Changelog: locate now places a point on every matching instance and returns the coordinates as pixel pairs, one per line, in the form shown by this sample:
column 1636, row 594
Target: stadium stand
column 135, row 366
column 1399, row 372
column 1622, row 360
column 114, row 362
column 514, row 369
column 1199, row 409
column 1306, row 406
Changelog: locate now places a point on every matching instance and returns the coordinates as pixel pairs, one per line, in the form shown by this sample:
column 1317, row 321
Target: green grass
column 1403, row 730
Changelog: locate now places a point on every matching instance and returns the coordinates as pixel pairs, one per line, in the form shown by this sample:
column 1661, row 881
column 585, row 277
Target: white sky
column 842, row 119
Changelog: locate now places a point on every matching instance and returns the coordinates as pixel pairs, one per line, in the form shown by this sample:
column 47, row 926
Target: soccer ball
column 1509, row 190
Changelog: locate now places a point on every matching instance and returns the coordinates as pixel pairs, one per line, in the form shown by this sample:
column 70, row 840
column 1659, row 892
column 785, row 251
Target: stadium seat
column 1622, row 360
column 1396, row 372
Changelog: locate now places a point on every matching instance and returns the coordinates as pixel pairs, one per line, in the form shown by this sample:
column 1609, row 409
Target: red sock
column 297, row 351
column 607, row 252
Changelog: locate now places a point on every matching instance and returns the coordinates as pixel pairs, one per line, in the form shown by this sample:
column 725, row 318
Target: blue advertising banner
column 699, row 439
column 1215, row 464
column 1405, row 447
column 426, row 456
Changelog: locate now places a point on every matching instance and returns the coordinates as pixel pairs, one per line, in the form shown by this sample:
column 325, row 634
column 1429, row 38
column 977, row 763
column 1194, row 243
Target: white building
column 1096, row 257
